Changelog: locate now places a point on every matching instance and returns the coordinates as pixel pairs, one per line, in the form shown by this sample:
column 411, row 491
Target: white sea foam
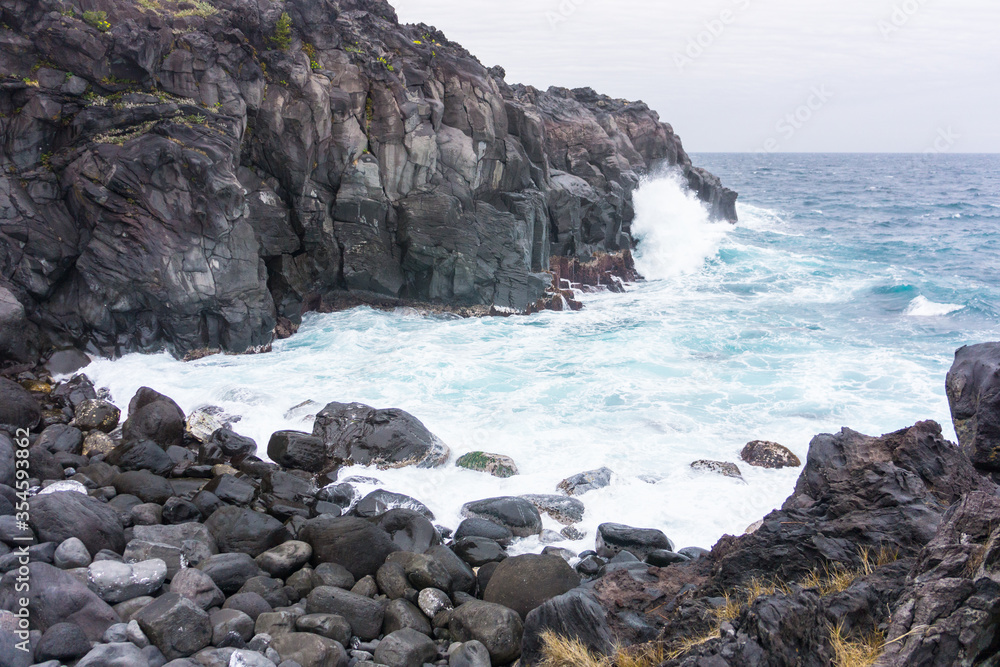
column 923, row 307
column 675, row 233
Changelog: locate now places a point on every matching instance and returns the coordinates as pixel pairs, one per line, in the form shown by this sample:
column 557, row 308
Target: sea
column 838, row 300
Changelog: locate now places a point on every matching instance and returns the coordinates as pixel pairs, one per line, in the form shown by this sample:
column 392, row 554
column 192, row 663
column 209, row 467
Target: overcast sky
column 749, row 75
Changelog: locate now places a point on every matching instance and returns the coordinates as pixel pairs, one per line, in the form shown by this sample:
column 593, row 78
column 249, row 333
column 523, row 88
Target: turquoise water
column 837, row 301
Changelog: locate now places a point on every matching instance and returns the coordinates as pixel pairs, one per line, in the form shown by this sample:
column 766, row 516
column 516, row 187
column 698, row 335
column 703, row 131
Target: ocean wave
column 924, row 307
column 672, row 225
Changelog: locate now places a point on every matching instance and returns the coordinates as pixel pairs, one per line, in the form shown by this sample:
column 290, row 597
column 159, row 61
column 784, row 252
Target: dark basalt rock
column 300, row 451
column 614, row 538
column 516, row 514
column 19, row 339
column 351, row 542
column 241, row 530
column 377, row 503
column 973, row 387
column 18, row 409
column 573, row 615
column 484, row 528
column 368, row 436
column 586, row 481
column 140, row 455
column 498, row 628
column 765, row 454
column 523, row 583
column 56, row 517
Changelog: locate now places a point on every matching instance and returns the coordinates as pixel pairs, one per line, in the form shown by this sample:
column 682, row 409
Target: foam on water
column 782, row 327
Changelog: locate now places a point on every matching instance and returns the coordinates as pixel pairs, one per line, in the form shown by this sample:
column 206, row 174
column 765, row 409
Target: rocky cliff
column 186, row 174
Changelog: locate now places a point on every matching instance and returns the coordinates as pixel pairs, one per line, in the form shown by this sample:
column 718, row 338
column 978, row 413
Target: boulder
column 299, row 451
column 496, row 465
column 58, row 597
column 351, row 542
column 140, row 455
column 309, row 649
column 197, row 586
column 71, row 554
column 203, row 423
column 162, row 620
column 380, row 501
column 230, row 571
column 226, row 622
column 498, row 628
column 144, row 485
column 463, row 579
column 478, row 551
column 63, row 642
column 251, row 604
column 153, row 416
column 409, row 530
column 56, row 517
column 285, row 559
column 61, row 438
column 973, row 387
column 96, row 415
column 614, row 538
column 523, row 583
column 471, row 654
column 230, row 489
column 368, row 436
column 573, row 615
column 178, row 511
column 718, row 468
column 18, row 409
column 400, row 614
column 565, row 510
column 584, row 482
column 8, row 469
column 765, row 454
column 405, row 648
column 330, row 626
column 516, row 514
column 19, row 338
column 484, row 528
column 333, row 574
column 225, row 443
column 115, row 655
column 118, row 582
column 238, row 529
column 364, row 614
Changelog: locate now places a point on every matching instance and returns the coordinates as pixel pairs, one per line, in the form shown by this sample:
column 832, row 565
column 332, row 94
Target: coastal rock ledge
column 197, row 175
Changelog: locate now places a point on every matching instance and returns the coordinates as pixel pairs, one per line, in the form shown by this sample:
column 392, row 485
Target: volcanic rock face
column 188, row 177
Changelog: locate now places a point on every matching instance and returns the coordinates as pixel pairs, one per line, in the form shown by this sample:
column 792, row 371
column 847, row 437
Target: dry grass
column 563, row 652
column 838, row 578
column 861, row 650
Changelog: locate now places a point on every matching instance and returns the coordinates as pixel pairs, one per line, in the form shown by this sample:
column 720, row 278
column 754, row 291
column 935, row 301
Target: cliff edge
column 189, row 174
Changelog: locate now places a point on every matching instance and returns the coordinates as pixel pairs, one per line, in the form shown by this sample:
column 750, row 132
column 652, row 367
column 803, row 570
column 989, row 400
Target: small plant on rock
column 98, row 20
column 283, row 32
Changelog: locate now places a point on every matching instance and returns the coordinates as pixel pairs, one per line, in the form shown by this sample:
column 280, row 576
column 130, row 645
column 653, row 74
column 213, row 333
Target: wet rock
column 230, row 571
column 177, row 511
column 368, row 436
column 573, row 615
column 433, row 601
column 333, row 574
column 299, row 451
column 516, row 514
column 226, row 622
column 364, row 614
column 392, row 581
column 70, row 554
column 478, row 551
column 161, row 620
column 718, row 468
column 484, row 528
column 522, row 583
column 153, row 416
column 96, row 415
column 61, row 438
column 973, row 387
column 230, row 489
column 765, row 454
column 664, row 558
column 56, row 517
column 405, row 648
column 308, row 649
column 64, row 642
column 351, row 542
column 585, row 482
column 613, row 538
column 58, row 597
column 140, row 455
column 117, row 582
column 496, row 465
column 144, row 485
column 205, row 421
column 198, row 587
column 18, row 409
column 470, row 654
column 463, row 579
column 330, row 626
column 379, row 502
column 96, row 443
column 225, row 443
column 401, row 614
column 498, row 628
column 565, row 510
column 284, row 559
column 409, row 530
column 237, row 529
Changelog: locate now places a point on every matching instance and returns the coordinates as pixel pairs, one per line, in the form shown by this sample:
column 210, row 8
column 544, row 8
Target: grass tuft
column 560, row 651
column 860, row 650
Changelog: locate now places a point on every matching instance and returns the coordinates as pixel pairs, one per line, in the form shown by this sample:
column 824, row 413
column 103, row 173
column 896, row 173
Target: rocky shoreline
column 884, row 553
